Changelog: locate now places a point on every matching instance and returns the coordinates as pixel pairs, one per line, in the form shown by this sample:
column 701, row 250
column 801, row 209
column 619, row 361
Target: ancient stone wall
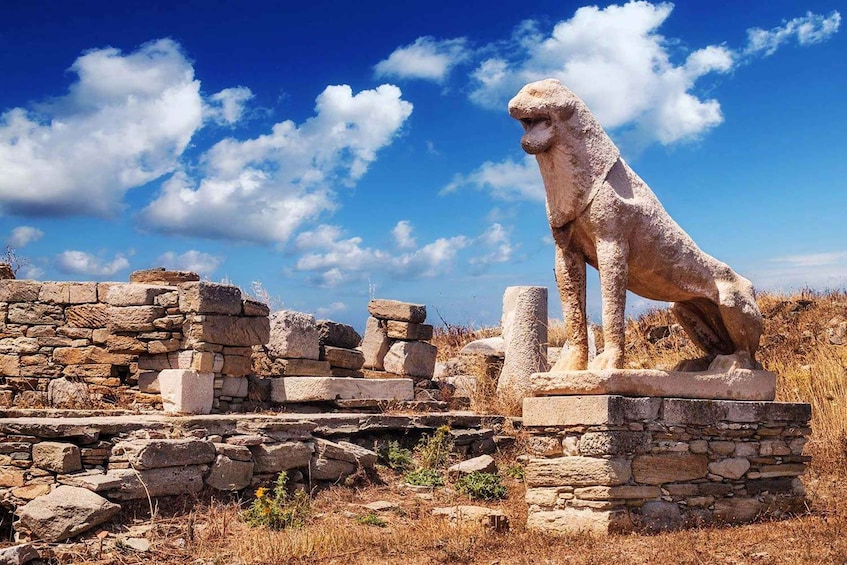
column 611, row 463
column 69, row 342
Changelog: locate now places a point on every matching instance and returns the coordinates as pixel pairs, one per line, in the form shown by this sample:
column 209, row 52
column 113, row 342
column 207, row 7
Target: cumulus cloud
column 498, row 242
column 273, row 184
column 427, row 58
column 333, row 308
column 507, row 180
column 807, row 30
column 617, row 61
column 191, row 260
column 82, row 263
column 344, row 260
column 402, row 233
column 24, row 235
column 124, row 122
column 227, row 107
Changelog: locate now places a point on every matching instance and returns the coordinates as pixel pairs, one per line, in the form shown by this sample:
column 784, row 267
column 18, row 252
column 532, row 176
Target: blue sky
column 331, row 151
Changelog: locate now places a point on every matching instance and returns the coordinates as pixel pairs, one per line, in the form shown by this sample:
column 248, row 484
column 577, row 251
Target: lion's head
column 573, row 152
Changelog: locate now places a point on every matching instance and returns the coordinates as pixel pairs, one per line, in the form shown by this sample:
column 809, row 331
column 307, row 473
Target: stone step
column 315, row 389
column 737, row 384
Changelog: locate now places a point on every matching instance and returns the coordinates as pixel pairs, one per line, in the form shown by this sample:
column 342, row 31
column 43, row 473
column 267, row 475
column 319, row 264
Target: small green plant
column 516, row 472
column 434, row 451
column 425, row 478
column 481, row 486
column 371, row 519
column 278, row 509
column 396, row 457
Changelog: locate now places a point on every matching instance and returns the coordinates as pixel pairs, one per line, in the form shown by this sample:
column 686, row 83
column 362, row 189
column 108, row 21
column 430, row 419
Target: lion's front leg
column 612, row 264
column 570, row 278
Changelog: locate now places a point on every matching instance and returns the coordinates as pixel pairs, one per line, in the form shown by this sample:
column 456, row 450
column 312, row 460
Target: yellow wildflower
column 261, row 492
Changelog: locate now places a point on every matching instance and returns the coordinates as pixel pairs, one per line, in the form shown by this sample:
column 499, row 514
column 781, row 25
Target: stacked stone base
column 607, row 463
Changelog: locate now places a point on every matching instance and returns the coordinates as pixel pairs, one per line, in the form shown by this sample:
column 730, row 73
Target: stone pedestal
column 608, row 463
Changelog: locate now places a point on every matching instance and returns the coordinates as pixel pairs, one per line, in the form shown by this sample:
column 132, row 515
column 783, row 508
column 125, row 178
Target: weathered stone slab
column 89, row 355
column 36, row 314
column 18, row 554
column 736, row 510
column 12, row 290
column 312, row 389
column 293, row 335
column 95, row 482
column 613, row 442
column 162, row 276
column 577, row 471
column 396, row 310
column 623, row 492
column 303, row 367
column 87, row 316
column 413, row 358
column 669, row 468
column 227, row 330
column 210, row 298
column 250, row 307
column 344, row 358
column 156, row 453
column 186, row 392
column 738, row 384
column 56, row 456
column 703, row 412
column 338, row 335
column 133, row 318
column 276, row 457
column 66, row 512
column 375, row 344
column 133, row 294
column 588, row 410
column 165, row 481
column 569, row 521
column 229, row 475
column 408, row 330
column 481, row 464
column 324, row 469
column 731, row 468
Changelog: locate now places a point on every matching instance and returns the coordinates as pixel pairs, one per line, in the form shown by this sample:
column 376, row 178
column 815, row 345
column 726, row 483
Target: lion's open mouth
column 539, row 133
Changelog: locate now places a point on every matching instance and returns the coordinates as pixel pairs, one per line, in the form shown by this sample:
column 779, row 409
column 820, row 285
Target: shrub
column 371, row 519
column 434, row 451
column 516, row 472
column 396, row 457
column 425, row 478
column 481, row 486
column 280, row 509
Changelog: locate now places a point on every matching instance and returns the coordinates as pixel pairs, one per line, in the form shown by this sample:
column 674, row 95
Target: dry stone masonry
column 607, row 463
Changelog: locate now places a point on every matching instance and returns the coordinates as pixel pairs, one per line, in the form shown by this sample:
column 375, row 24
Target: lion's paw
column 572, row 360
column 611, row 358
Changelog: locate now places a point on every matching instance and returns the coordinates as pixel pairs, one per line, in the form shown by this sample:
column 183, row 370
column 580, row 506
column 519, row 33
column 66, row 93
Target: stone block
column 10, row 365
column 133, row 318
column 323, row 469
column 99, row 370
column 87, row 316
column 35, row 314
column 133, row 294
column 576, row 471
column 588, row 410
column 396, row 310
column 210, row 298
column 235, row 387
column 293, row 335
column 375, row 344
column 56, row 456
column 412, row 358
column 669, row 467
column 408, row 331
column 20, row 554
column 66, row 512
column 345, row 451
column 230, row 475
column 186, row 392
column 732, row 468
column 303, row 367
column 481, row 464
column 276, row 457
column 227, row 330
column 157, row 453
column 338, row 335
column 89, row 355
column 659, row 516
column 165, row 481
column 250, row 307
column 613, row 442
column 738, row 384
column 315, row 389
column 704, row 412
column 67, row 393
column 343, row 358
column 54, row 293
column 623, row 492
column 570, row 521
column 125, row 344
column 12, row 290
column 160, row 276
column 82, row 292
column 736, row 510
column 11, row 476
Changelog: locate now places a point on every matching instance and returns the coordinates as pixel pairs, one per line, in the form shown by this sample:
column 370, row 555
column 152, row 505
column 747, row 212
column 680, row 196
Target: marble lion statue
column 601, row 213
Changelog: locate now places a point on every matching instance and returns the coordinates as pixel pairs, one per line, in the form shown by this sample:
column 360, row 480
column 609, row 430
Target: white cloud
column 402, row 233
column 427, row 58
column 124, row 122
column 815, row 270
column 507, row 180
column 30, row 272
column 498, row 241
column 333, row 308
column 616, row 60
column 807, row 30
column 24, row 235
column 228, row 106
column 192, row 260
column 274, row 183
column 82, row 263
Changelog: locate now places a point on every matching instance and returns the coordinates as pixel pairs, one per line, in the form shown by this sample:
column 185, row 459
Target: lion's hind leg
column 701, row 319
